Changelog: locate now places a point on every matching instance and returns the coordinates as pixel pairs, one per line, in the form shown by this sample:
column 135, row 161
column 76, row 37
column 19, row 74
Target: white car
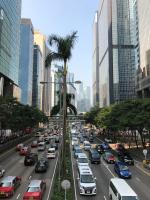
column 82, row 160
column 108, row 140
column 87, row 145
column 51, row 153
column 74, row 141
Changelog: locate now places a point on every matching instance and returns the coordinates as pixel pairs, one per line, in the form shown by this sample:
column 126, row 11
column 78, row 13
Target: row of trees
column 133, row 115
column 17, row 117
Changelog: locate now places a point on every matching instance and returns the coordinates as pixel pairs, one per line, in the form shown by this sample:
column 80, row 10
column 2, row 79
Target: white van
column 86, row 181
column 41, row 146
column 120, row 190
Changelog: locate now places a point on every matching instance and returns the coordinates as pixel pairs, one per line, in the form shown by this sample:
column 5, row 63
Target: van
column 94, row 156
column 86, row 181
column 120, row 190
column 41, row 146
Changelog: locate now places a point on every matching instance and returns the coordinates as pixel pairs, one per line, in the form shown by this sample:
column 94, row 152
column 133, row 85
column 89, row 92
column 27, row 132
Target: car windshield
column 109, row 155
column 82, row 160
column 33, row 189
column 129, row 198
column 87, row 179
column 78, row 150
column 51, row 151
column 40, row 145
column 5, row 184
column 123, row 167
column 95, row 155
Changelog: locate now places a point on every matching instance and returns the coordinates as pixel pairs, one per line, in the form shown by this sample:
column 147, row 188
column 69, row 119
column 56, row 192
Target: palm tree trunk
column 64, row 117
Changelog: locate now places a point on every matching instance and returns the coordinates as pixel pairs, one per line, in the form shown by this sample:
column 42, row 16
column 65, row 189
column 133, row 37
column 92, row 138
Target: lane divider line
column 18, row 196
column 52, row 179
column 142, row 170
column 105, row 198
column 108, row 169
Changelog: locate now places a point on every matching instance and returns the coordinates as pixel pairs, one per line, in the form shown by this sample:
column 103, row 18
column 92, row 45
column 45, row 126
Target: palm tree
column 63, row 52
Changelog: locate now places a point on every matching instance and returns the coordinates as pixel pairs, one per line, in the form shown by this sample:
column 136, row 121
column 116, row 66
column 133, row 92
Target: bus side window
column 113, row 188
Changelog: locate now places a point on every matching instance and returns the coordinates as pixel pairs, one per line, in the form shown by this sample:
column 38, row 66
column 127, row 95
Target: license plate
column 2, row 193
column 88, row 192
column 31, row 198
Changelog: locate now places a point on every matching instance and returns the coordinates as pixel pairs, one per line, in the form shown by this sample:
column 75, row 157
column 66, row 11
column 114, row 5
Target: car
column 101, row 148
column 34, row 143
column 35, row 190
column 77, row 151
column 91, row 139
column 46, row 140
column 30, row 159
column 41, row 146
column 109, row 157
column 82, row 160
column 120, row 147
column 19, row 146
column 57, row 139
column 8, row 185
column 41, row 166
column 87, row 145
column 86, row 181
column 108, row 140
column 2, row 171
column 51, row 153
column 126, row 157
column 54, row 145
column 81, row 139
column 122, row 170
column 94, row 156
column 25, row 150
column 74, row 142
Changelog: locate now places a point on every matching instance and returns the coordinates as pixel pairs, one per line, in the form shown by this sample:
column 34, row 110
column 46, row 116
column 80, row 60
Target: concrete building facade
column 143, row 72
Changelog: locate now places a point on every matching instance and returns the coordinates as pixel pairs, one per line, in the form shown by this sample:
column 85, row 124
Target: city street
column 104, row 172
column 13, row 163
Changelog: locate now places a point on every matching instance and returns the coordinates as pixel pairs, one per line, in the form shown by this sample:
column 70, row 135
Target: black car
column 30, row 159
column 41, row 165
column 94, row 156
column 126, row 158
column 91, row 139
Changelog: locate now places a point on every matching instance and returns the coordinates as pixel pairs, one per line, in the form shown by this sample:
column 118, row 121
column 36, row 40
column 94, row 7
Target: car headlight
column 121, row 173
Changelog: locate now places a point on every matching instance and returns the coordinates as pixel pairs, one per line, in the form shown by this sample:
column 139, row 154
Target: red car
column 8, row 185
column 34, row 143
column 35, row 190
column 109, row 157
column 19, row 146
column 25, row 150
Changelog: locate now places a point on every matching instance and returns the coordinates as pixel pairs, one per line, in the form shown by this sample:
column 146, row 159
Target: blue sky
column 62, row 17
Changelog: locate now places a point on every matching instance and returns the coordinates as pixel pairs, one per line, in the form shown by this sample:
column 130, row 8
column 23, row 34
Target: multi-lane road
column 140, row 181
column 14, row 166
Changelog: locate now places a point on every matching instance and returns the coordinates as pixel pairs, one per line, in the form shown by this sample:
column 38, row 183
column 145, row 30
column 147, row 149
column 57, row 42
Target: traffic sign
column 65, row 184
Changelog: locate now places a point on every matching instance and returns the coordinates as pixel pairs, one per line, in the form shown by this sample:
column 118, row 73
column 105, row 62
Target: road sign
column 65, row 184
column 145, row 153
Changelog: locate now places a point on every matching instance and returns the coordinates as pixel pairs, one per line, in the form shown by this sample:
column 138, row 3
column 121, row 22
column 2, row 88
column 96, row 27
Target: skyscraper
column 95, row 61
column 10, row 15
column 118, row 50
column 143, row 73
column 26, row 61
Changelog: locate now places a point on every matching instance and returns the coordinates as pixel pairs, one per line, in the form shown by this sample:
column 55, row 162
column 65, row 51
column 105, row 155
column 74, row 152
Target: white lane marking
column 99, row 139
column 105, row 198
column 30, row 177
column 18, row 196
column 52, row 178
column 73, row 176
column 108, row 169
column 138, row 179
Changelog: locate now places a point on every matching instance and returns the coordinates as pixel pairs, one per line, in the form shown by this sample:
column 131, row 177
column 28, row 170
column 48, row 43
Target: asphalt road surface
column 140, row 181
column 13, row 163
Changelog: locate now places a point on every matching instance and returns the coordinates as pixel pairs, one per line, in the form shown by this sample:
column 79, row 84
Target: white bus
column 120, row 190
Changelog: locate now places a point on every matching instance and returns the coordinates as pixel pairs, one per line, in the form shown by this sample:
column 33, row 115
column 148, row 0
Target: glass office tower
column 10, row 15
column 26, row 61
column 118, row 50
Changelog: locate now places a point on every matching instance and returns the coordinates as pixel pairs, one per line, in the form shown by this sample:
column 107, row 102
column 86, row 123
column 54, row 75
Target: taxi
column 8, row 185
column 25, row 150
column 35, row 190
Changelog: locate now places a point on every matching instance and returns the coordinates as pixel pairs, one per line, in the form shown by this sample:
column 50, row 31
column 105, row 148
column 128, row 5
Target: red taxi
column 8, row 185
column 35, row 190
column 25, row 150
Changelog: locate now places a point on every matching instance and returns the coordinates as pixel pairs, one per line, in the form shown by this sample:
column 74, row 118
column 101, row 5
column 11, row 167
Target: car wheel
column 110, row 197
